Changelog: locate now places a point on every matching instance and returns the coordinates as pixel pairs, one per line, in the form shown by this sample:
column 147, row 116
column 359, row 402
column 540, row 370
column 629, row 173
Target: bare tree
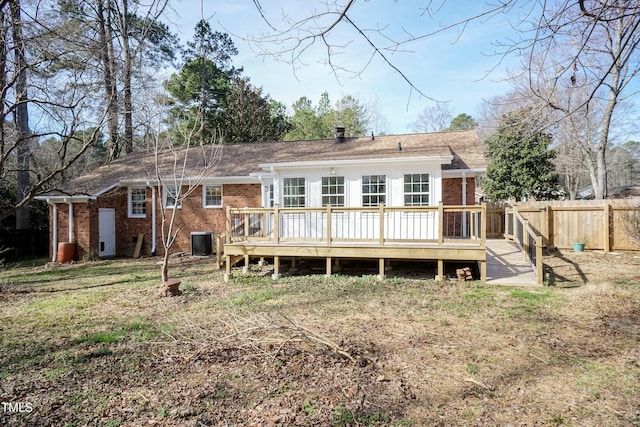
column 435, row 118
column 589, row 53
column 181, row 166
column 60, row 99
column 592, row 43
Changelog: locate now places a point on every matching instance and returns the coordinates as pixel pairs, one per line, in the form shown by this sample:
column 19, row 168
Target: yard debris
column 464, row 274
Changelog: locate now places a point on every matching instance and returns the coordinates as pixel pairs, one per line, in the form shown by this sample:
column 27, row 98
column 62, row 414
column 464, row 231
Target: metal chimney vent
column 340, row 138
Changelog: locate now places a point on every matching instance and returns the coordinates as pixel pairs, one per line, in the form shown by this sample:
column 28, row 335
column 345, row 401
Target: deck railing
column 530, row 242
column 379, row 224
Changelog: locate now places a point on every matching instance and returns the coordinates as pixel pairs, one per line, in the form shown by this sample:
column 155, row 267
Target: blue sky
column 446, row 67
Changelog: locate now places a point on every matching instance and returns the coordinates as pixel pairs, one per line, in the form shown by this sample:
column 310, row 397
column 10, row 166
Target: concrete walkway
column 506, row 265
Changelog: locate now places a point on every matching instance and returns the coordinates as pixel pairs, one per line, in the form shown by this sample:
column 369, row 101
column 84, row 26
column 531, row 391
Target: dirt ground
column 312, row 351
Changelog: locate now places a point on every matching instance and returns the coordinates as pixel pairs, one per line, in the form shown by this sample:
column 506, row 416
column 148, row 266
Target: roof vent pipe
column 399, row 146
column 340, row 134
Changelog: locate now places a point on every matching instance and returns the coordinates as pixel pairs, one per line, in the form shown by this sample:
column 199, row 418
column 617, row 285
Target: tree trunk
column 4, row 29
column 105, row 39
column 23, row 214
column 128, row 64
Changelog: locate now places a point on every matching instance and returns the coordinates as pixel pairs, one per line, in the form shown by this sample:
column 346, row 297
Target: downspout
column 153, row 218
column 54, row 240
column 464, row 203
column 276, row 186
column 264, row 192
column 70, row 222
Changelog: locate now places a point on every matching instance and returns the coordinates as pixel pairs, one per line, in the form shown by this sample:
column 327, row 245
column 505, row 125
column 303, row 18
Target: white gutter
column 350, row 162
column 448, row 173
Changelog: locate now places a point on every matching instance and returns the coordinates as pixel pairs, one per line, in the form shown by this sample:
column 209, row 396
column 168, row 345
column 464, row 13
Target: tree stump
column 171, row 288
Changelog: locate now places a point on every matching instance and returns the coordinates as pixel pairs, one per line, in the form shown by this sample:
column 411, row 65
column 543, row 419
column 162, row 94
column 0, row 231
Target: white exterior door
column 106, row 232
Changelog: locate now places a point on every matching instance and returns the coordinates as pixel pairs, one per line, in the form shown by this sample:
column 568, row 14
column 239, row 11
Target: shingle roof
column 240, row 160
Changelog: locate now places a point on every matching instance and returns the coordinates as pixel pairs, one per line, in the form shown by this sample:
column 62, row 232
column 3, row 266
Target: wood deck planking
column 507, row 266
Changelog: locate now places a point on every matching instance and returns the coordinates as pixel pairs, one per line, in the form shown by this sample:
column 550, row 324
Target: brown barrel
column 66, row 252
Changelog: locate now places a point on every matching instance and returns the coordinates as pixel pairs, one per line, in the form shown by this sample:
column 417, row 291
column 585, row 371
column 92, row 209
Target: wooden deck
column 506, row 265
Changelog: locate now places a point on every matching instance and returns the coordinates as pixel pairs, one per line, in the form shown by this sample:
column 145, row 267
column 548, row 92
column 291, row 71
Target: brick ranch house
column 105, row 211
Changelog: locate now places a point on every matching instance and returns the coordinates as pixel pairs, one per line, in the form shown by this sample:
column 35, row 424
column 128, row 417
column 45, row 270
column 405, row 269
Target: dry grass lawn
column 93, row 344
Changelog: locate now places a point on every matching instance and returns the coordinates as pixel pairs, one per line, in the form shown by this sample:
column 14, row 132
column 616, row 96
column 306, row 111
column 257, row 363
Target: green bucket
column 578, row 247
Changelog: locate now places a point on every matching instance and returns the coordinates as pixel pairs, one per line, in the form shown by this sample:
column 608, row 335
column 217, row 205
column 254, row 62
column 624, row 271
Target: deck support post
column 440, row 275
column 261, row 262
column 276, row 268
column 483, row 270
column 245, row 269
column 227, row 274
column 328, row 273
column 293, row 263
column 381, row 275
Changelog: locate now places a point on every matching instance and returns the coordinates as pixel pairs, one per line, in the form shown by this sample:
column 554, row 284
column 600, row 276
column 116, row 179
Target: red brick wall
column 452, row 191
column 452, row 195
column 193, row 217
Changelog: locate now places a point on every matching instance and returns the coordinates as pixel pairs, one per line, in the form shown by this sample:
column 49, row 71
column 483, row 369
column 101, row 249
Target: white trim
column 130, row 213
column 306, row 190
column 317, row 164
column 64, row 199
column 165, row 190
column 204, row 196
column 211, row 180
column 457, row 173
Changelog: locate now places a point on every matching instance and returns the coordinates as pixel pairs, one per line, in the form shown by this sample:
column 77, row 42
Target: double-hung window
column 172, row 197
column 374, row 190
column 333, row 191
column 293, row 192
column 137, row 202
column 416, row 189
column 212, row 196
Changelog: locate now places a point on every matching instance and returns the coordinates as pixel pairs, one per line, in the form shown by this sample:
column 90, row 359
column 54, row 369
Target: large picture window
column 333, row 191
column 374, row 190
column 293, row 192
column 416, row 189
column 137, row 202
column 212, row 196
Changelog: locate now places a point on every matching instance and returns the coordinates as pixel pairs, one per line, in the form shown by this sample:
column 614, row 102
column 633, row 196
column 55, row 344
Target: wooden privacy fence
column 600, row 224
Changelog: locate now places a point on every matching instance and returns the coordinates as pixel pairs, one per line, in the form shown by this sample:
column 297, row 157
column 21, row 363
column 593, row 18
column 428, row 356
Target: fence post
column 539, row 265
column 381, row 208
column 550, row 227
column 229, row 236
column 607, row 225
column 329, row 224
column 440, row 224
column 483, row 225
column 276, row 224
column 525, row 238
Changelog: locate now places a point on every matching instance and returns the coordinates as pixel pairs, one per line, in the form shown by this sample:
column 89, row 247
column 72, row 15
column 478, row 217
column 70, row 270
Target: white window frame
column 131, row 202
column 333, row 185
column 204, row 196
column 165, row 197
column 287, row 198
column 376, row 194
column 421, row 193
